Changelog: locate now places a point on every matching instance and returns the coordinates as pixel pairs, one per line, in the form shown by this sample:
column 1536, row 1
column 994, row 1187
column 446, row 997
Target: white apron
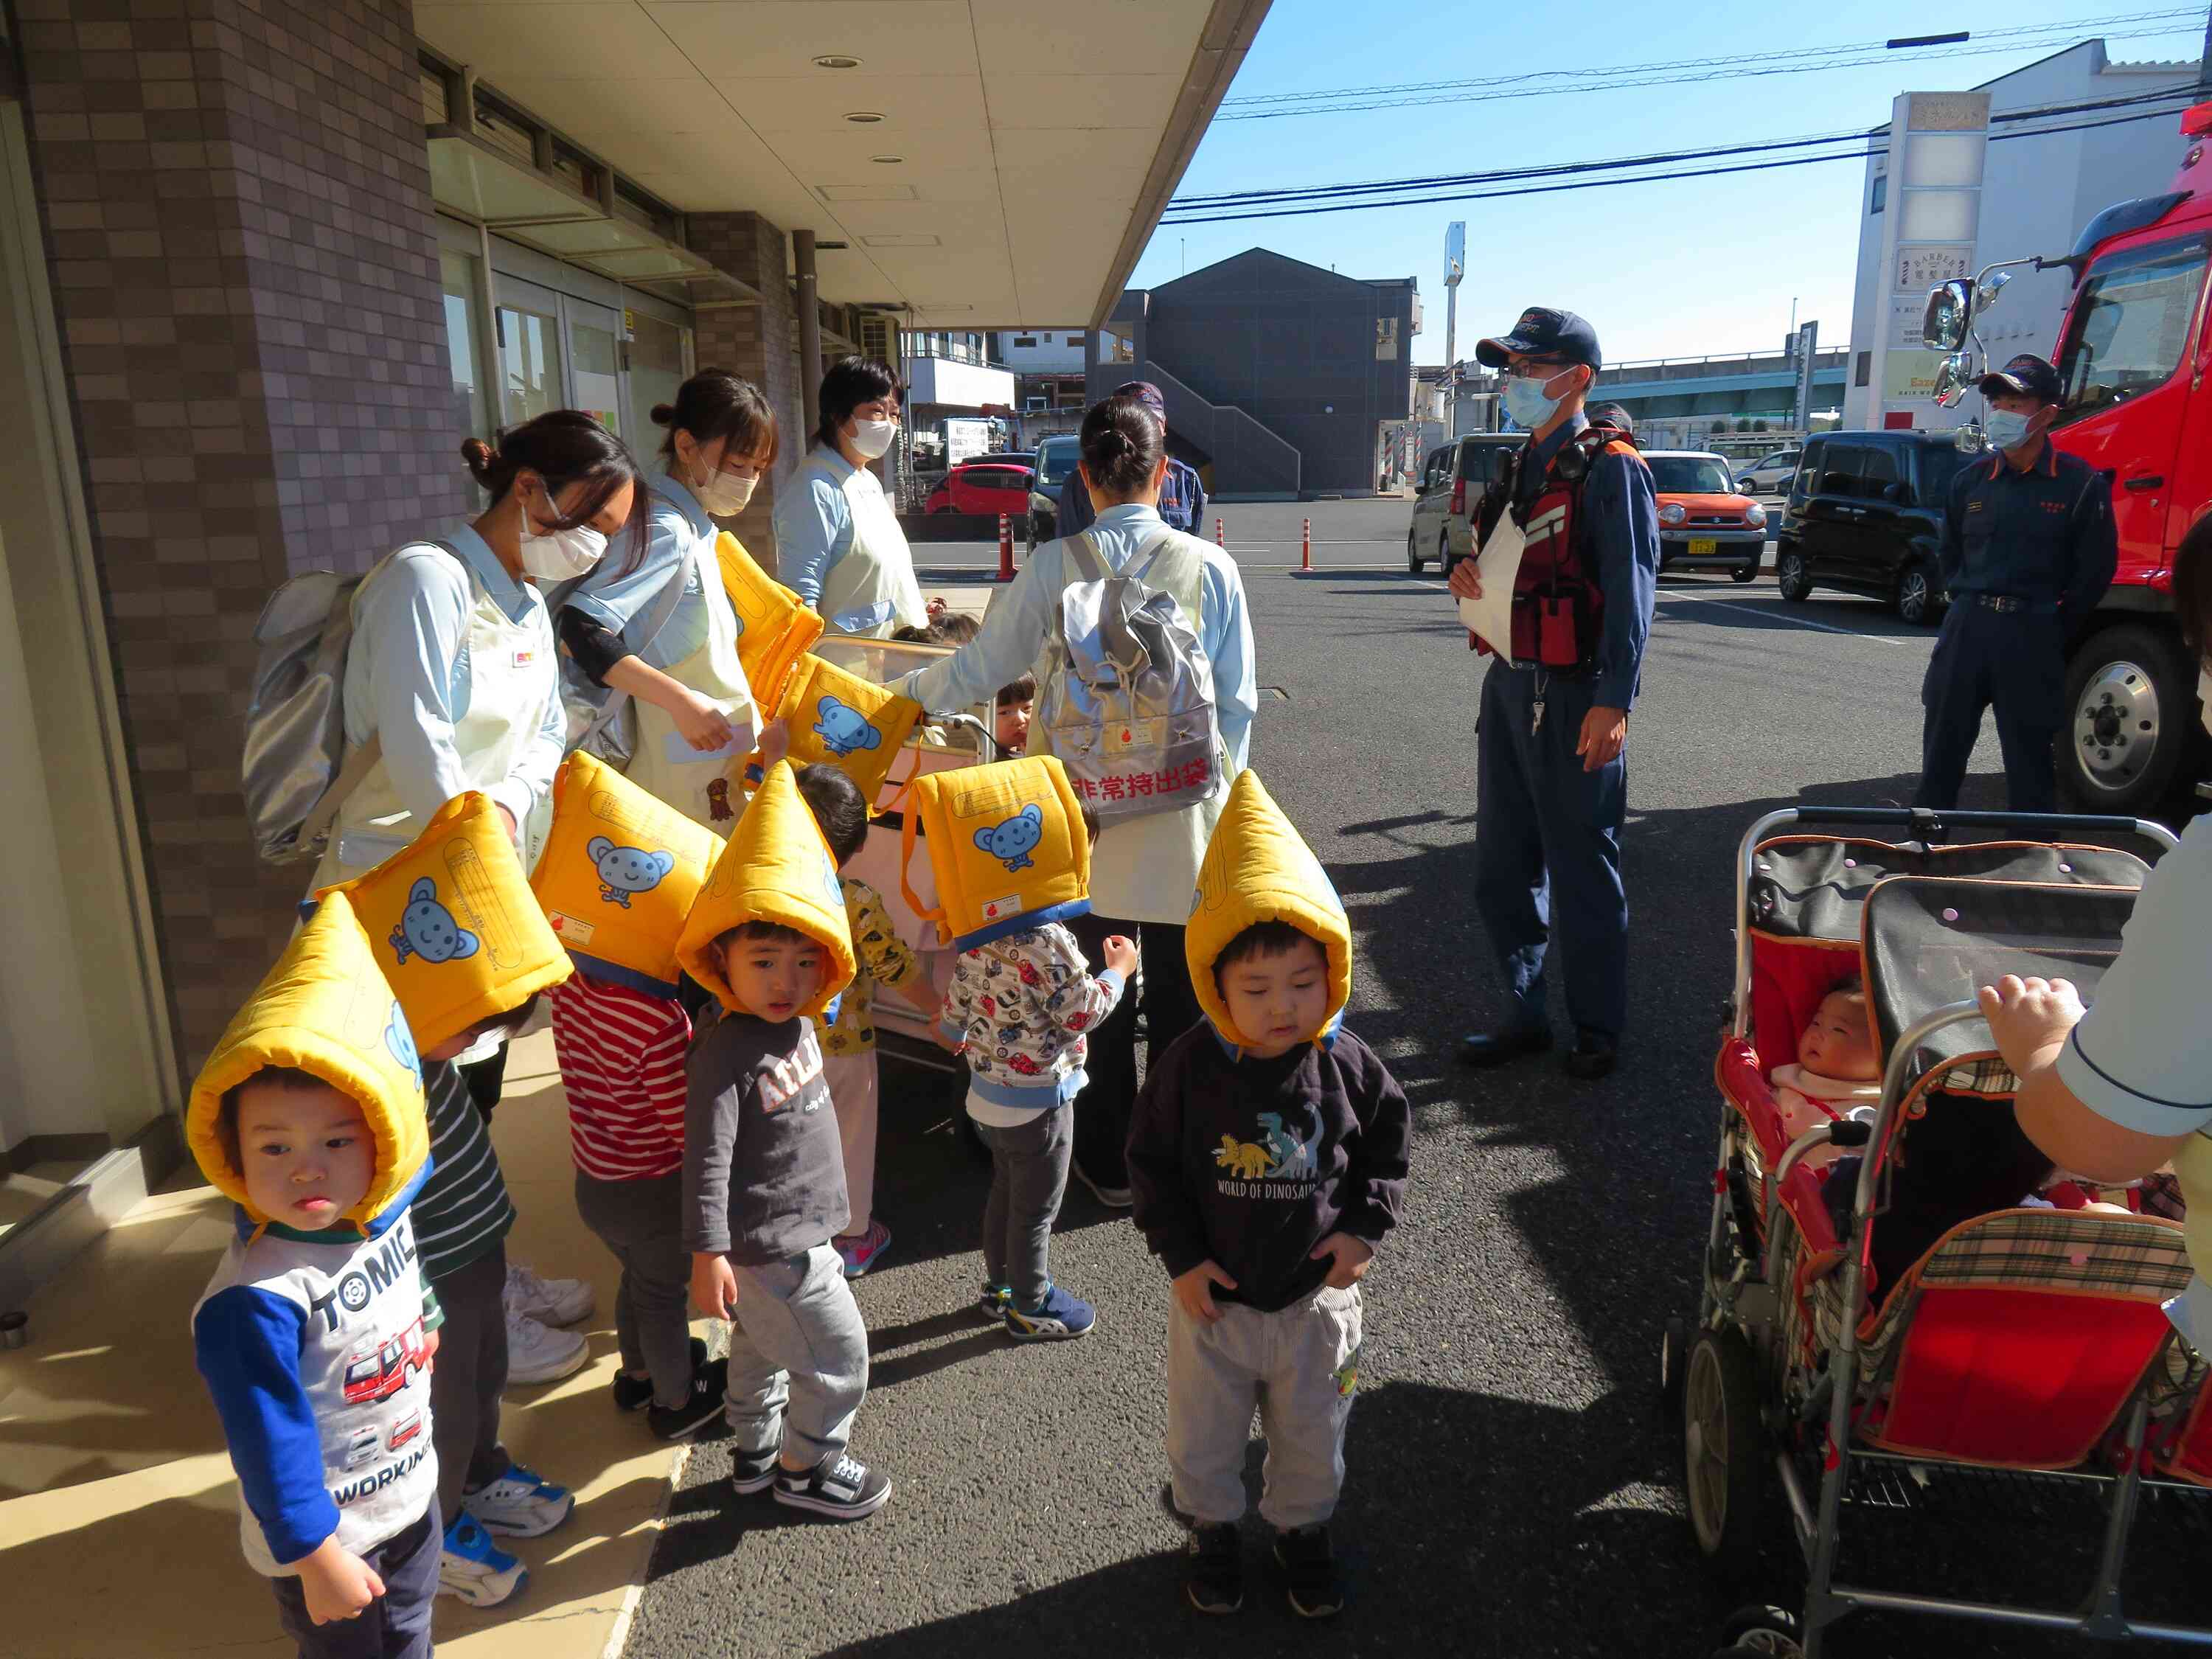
column 512, row 679
column 707, row 786
column 870, row 591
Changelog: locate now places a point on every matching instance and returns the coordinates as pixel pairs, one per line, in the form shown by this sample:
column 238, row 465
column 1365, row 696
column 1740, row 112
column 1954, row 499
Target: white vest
column 871, row 589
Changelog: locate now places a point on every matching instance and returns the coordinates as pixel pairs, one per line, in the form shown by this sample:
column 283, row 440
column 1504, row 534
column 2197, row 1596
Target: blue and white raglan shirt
column 315, row 1346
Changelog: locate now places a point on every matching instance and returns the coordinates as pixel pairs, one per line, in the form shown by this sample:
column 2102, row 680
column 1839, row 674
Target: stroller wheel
column 1721, row 1445
column 1763, row 1629
column 1673, row 1355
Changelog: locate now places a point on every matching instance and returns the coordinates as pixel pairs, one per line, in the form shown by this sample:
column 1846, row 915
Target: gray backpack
column 296, row 772
column 1125, row 692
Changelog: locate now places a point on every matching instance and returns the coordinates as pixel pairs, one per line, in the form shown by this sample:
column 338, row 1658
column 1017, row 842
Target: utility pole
column 1454, row 267
column 2204, row 58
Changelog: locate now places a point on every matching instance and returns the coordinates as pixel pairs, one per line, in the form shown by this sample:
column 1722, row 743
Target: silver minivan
column 1450, row 484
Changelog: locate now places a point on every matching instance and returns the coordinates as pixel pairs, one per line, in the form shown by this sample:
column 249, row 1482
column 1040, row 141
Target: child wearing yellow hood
column 1268, row 1158
column 316, row 1332
column 763, row 1169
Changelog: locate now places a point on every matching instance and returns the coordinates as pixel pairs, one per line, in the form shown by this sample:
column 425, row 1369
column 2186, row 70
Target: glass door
column 656, row 371
column 595, row 365
column 528, row 321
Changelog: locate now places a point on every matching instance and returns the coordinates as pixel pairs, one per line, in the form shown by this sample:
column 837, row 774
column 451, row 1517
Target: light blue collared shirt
column 813, row 524
column 619, row 599
column 407, row 674
column 1014, row 631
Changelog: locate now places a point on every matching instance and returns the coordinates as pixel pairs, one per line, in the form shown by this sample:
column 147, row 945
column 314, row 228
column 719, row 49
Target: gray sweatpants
column 1299, row 1366
column 1028, row 1177
column 466, row 1381
column 642, row 1222
column 799, row 1358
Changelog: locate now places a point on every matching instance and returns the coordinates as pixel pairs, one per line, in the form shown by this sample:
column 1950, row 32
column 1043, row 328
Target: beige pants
column 852, row 1080
column 1299, row 1366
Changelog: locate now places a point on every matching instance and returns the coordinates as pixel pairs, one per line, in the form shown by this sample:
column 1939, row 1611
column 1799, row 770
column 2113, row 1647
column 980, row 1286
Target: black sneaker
column 842, row 1487
column 709, row 1383
column 635, row 1393
column 1310, row 1566
column 992, row 1301
column 1215, row 1582
column 752, row 1472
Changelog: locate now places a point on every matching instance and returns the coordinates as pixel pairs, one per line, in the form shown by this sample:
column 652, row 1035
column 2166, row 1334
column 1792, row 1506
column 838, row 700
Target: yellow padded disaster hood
column 1006, row 844
column 837, row 719
column 775, row 628
column 619, row 872
column 777, row 868
column 454, row 923
column 1258, row 868
column 325, row 1008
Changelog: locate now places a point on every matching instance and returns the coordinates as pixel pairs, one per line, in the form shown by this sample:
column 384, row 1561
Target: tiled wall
column 245, row 271
column 758, row 342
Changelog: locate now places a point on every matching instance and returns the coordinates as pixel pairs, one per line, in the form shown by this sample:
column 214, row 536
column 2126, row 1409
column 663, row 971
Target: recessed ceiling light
column 887, row 160
column 864, row 118
column 837, row 60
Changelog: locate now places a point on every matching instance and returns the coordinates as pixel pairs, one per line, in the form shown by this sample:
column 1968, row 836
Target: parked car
column 1005, row 458
column 1056, row 457
column 986, row 486
column 1702, row 520
column 1865, row 514
column 1769, row 474
column 1451, row 481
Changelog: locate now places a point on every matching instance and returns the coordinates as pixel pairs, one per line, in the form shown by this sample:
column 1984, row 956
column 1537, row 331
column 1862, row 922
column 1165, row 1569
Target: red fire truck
column 2133, row 357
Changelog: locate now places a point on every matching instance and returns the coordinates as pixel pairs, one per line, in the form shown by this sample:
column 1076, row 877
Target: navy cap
column 1543, row 332
column 1611, row 414
column 1145, row 394
column 2026, row 372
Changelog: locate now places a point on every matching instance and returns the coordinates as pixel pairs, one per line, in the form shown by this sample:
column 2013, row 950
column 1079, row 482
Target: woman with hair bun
column 663, row 632
column 451, row 666
column 1143, row 870
column 838, row 545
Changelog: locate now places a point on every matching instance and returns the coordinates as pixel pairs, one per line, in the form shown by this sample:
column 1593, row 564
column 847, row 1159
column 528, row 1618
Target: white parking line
column 1775, row 616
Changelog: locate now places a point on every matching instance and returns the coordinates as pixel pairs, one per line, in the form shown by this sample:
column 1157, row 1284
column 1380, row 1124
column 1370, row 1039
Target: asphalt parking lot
column 1510, row 1491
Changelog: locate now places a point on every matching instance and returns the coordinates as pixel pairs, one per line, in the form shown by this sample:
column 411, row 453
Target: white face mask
column 2006, row 429
column 559, row 556
column 871, row 439
column 725, row 496
column 2204, row 698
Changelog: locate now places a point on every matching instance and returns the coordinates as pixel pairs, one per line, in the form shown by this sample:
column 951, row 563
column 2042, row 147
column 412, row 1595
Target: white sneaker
column 474, row 1569
column 518, row 1503
column 539, row 1353
column 549, row 1300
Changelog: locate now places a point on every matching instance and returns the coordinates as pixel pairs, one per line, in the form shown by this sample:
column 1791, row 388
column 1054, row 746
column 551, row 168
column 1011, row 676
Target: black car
column 1865, row 514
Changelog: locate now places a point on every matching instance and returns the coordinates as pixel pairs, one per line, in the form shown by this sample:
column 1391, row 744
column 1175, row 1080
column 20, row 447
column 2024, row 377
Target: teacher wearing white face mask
column 451, row 667
column 664, row 632
column 838, row 543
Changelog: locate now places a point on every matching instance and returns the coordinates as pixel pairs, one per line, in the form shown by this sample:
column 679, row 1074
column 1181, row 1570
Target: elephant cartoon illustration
column 1294, row 1159
column 1243, row 1159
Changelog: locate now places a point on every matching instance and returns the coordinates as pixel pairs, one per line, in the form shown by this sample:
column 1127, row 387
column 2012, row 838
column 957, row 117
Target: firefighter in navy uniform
column 2028, row 550
column 1551, row 778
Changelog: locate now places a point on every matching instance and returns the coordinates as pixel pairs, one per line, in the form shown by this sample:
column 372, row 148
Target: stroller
column 2025, row 1348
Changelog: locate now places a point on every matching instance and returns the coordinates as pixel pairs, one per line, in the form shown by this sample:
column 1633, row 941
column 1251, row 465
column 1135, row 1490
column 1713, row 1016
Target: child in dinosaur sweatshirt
column 1267, row 1157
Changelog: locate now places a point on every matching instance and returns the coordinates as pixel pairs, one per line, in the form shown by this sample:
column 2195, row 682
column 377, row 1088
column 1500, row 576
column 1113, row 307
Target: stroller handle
column 1927, row 825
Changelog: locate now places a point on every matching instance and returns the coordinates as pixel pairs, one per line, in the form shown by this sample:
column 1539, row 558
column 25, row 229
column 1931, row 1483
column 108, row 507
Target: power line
column 2165, row 99
column 1647, row 178
column 1803, row 60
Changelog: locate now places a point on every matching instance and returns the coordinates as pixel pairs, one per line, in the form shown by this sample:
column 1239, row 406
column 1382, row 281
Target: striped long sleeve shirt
column 622, row 1065
column 462, row 1208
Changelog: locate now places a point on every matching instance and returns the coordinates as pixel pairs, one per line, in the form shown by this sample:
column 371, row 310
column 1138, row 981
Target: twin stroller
column 2024, row 1350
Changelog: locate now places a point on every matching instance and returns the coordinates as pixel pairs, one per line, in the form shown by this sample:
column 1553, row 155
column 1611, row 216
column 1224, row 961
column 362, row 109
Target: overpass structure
column 1741, row 385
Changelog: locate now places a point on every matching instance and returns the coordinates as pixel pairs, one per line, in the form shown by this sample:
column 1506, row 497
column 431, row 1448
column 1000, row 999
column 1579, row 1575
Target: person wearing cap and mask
column 1183, row 497
column 664, row 632
column 2028, row 549
column 1551, row 777
column 838, row 545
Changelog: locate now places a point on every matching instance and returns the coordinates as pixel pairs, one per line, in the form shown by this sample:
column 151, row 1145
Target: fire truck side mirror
column 1950, row 307
column 1953, row 376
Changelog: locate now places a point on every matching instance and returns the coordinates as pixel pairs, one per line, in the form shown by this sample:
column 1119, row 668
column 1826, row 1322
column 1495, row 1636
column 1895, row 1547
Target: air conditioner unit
column 1031, row 405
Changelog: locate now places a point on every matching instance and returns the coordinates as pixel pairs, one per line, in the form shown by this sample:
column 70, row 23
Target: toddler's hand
column 713, row 1286
column 1121, row 956
column 1348, row 1259
column 336, row 1583
column 429, row 1350
column 1194, row 1290
column 775, row 744
column 2030, row 1017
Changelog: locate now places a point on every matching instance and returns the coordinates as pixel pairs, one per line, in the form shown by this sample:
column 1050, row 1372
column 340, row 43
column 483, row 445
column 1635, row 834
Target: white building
column 2038, row 187
column 1049, row 350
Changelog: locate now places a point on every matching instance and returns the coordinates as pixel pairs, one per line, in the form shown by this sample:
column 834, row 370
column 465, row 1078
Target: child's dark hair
column 226, row 1112
column 1089, row 816
column 1021, row 691
column 954, row 628
column 839, row 808
column 761, row 933
column 1263, row 939
column 509, row 1021
column 716, row 404
column 907, row 634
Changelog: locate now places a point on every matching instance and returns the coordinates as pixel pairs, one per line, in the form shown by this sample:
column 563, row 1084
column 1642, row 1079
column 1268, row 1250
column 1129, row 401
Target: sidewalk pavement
column 118, row 1514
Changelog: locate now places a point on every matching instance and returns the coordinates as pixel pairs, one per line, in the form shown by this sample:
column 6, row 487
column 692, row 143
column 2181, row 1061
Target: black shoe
column 635, row 1393
column 1487, row 1048
column 703, row 1405
column 1310, row 1566
column 1592, row 1056
column 842, row 1487
column 752, row 1472
column 1215, row 1580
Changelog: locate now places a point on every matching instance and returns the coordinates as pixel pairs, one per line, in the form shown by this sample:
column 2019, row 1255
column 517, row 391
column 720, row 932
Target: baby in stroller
column 1837, row 1070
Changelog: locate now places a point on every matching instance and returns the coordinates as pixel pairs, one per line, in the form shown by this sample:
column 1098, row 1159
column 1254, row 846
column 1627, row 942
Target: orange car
column 1703, row 519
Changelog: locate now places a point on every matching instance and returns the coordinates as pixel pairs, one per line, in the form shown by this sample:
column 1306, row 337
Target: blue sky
column 1678, row 269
